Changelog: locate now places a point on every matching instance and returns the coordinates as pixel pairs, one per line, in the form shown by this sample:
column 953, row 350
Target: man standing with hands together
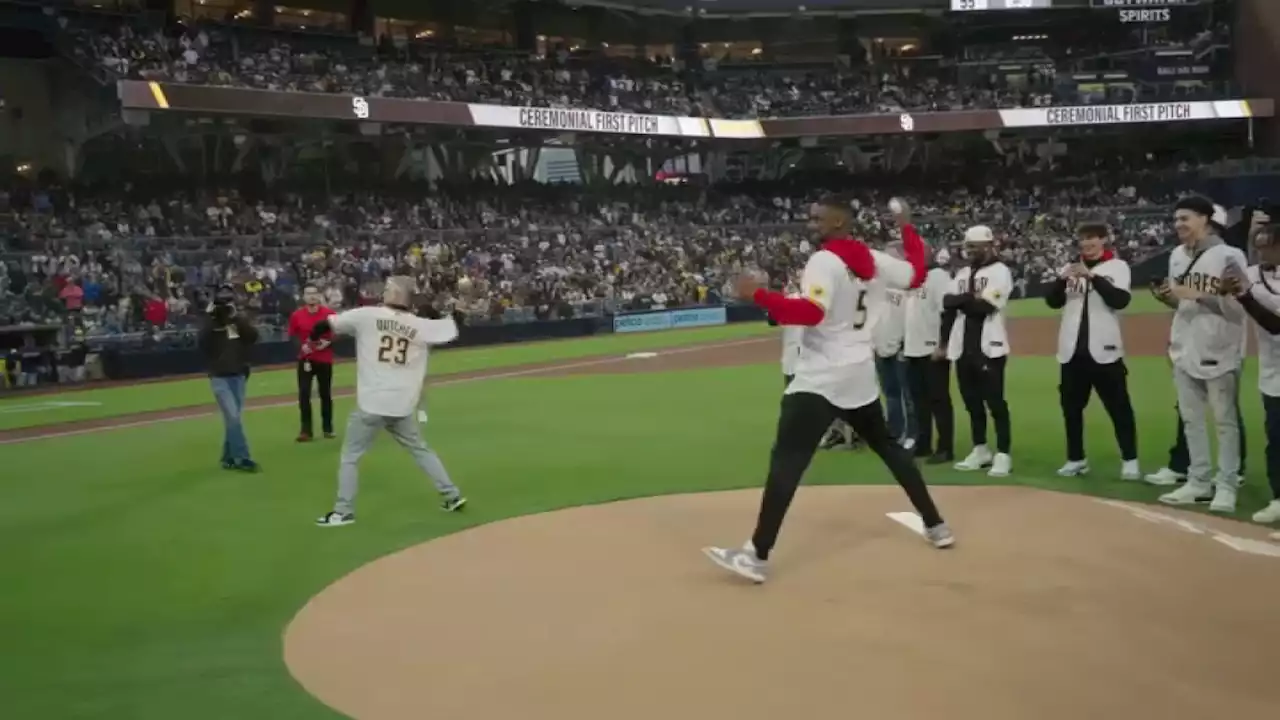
column 315, row 360
column 1090, row 293
column 1206, row 346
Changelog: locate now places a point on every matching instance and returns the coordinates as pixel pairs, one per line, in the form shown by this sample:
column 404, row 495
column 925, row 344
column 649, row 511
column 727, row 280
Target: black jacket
column 227, row 354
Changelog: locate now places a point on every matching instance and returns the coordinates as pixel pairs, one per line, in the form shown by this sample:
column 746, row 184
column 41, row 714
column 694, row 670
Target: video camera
column 223, row 308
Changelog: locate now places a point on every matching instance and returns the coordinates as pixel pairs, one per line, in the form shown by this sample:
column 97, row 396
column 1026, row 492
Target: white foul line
column 525, row 372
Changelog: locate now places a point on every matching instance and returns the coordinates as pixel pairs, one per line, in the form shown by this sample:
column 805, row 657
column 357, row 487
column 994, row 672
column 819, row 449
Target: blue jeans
column 229, row 392
column 892, row 372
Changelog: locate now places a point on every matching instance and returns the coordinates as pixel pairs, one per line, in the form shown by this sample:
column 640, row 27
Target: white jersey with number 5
column 391, row 355
column 837, row 359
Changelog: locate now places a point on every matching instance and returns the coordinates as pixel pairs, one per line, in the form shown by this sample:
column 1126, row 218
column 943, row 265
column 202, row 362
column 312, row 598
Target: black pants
column 930, row 384
column 803, row 420
column 981, row 382
column 1180, row 457
column 1271, row 406
column 1080, row 378
column 323, row 374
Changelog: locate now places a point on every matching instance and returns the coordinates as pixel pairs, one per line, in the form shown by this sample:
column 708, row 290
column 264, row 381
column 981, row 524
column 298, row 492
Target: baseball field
column 142, row 582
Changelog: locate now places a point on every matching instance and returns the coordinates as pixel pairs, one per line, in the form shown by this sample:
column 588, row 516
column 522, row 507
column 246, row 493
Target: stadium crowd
column 109, row 265
column 237, row 56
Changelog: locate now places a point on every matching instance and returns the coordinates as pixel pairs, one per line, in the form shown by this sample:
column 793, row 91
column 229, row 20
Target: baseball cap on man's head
column 978, row 235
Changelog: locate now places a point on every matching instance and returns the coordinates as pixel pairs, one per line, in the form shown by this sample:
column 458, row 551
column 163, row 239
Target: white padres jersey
column 1266, row 290
column 391, row 355
column 993, row 283
column 1207, row 338
column 923, row 326
column 791, row 344
column 837, row 359
column 1106, row 343
column 889, row 331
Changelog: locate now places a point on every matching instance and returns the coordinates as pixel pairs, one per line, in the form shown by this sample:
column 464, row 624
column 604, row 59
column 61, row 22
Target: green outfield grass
column 142, row 582
column 116, row 401
column 124, row 400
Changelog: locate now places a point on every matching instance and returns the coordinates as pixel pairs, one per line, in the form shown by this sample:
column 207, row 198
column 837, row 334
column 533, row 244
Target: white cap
column 1219, row 215
column 978, row 234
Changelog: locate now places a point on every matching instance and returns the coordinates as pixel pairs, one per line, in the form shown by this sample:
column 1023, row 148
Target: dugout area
column 1052, row 606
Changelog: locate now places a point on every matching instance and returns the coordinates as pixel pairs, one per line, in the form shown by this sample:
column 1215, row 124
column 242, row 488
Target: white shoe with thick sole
column 742, row 562
column 1129, row 470
column 1224, row 500
column 1164, row 477
column 1074, row 468
column 977, row 459
column 1269, row 514
column 1189, row 494
column 1001, row 465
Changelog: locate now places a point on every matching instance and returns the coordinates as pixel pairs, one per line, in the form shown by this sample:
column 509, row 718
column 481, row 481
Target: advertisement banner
column 594, row 121
column 207, row 100
column 1122, row 114
column 669, row 319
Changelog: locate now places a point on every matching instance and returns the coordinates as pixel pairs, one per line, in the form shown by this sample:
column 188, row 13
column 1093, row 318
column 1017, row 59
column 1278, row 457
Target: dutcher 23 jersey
column 391, row 355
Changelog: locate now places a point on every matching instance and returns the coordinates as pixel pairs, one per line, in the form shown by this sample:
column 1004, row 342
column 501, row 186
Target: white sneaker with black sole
column 335, row 519
column 453, row 504
column 1194, row 491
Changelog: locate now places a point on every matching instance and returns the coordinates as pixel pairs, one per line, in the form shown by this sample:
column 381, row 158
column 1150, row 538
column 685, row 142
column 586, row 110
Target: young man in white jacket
column 1090, row 293
column 1258, row 291
column 928, row 370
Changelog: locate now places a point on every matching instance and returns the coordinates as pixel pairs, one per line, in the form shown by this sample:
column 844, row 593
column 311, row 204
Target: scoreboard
column 966, row 5
column 979, row 5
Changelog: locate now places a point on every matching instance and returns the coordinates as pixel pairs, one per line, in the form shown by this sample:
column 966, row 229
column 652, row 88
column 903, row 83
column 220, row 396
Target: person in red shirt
column 315, row 360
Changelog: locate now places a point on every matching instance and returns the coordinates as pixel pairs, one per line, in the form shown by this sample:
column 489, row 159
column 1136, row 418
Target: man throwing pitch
column 391, row 364
column 844, row 294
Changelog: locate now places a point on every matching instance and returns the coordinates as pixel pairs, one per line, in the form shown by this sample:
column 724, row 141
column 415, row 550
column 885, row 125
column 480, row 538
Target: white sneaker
column 1224, row 500
column 743, row 562
column 1164, row 477
column 1001, row 465
column 1269, row 514
column 1129, row 470
column 1191, row 493
column 1074, row 468
column 977, row 459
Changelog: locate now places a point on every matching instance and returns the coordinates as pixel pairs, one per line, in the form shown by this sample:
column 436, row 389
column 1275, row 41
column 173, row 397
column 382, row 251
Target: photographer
column 226, row 338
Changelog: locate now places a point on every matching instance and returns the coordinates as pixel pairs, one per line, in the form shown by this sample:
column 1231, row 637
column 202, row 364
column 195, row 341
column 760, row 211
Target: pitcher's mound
column 1052, row 607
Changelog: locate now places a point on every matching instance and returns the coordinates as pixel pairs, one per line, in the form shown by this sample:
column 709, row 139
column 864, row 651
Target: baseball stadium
column 580, row 189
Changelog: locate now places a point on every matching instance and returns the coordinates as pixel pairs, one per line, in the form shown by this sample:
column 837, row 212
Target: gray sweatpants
column 361, row 430
column 1196, row 398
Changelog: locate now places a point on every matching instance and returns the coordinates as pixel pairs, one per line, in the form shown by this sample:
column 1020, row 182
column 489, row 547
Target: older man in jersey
column 1090, row 293
column 391, row 363
column 1206, row 346
column 844, row 286
column 1258, row 291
